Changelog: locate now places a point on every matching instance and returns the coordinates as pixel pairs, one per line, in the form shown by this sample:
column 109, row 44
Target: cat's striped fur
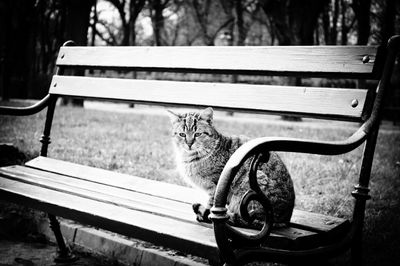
column 202, row 153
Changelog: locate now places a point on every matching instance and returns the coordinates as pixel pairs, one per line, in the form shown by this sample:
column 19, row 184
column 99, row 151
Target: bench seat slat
column 112, row 204
column 331, row 103
column 118, row 196
column 118, row 180
column 198, row 240
column 310, row 221
column 276, row 60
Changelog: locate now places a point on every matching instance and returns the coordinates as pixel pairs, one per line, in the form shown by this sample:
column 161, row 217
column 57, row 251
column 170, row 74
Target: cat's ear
column 173, row 116
column 207, row 115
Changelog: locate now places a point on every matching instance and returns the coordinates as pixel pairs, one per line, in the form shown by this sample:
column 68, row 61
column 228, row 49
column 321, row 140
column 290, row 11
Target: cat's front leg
column 201, row 212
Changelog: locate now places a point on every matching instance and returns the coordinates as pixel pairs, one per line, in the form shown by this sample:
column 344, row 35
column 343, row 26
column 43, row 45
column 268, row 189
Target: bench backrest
column 353, row 62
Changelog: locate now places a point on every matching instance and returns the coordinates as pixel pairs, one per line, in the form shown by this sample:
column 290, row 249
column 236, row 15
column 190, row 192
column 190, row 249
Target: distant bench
column 161, row 213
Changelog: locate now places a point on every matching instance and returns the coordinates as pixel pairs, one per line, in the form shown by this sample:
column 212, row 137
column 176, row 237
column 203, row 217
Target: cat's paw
column 201, row 212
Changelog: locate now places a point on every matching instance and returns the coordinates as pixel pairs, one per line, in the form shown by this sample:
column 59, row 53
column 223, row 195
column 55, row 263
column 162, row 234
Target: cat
column 201, row 154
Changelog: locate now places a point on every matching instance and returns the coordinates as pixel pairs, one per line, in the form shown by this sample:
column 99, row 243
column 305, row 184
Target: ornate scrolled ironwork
column 256, row 194
column 236, row 237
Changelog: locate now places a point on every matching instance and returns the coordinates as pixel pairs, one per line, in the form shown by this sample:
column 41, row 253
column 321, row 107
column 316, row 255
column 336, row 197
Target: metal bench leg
column 64, row 253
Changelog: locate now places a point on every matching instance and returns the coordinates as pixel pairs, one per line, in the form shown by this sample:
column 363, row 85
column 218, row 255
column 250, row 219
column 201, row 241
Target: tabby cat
column 201, row 154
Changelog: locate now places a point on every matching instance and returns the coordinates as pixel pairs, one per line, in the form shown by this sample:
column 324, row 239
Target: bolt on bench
column 161, row 213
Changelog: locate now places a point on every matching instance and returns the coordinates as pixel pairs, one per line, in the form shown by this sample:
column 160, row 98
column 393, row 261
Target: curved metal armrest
column 254, row 148
column 263, row 144
column 28, row 110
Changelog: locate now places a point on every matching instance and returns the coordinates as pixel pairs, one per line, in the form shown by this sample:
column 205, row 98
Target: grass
column 139, row 144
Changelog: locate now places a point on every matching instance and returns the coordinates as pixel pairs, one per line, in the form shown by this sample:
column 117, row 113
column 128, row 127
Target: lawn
column 138, row 143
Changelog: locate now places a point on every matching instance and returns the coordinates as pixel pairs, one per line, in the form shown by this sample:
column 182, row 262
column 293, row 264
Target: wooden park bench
column 162, row 213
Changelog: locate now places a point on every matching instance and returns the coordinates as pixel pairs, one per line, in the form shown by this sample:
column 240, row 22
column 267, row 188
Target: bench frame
column 234, row 246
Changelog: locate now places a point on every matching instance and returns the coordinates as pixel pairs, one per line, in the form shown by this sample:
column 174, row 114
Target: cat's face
column 193, row 132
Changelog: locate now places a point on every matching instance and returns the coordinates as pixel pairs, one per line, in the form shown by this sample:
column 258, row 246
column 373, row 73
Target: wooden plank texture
column 116, row 195
column 332, row 103
column 118, row 180
column 192, row 238
column 310, row 221
column 111, row 203
column 276, row 60
column 175, row 233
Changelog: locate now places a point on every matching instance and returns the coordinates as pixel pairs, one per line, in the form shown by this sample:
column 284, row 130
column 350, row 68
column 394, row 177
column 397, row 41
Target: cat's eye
column 197, row 134
column 182, row 135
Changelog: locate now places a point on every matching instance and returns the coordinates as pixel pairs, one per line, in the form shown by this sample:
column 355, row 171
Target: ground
column 26, row 253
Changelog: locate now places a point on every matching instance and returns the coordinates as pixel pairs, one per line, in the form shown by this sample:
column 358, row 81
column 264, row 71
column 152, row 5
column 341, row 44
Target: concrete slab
column 120, row 248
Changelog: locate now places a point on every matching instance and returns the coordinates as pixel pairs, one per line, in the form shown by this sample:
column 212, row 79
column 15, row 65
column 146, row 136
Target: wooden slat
column 276, row 60
column 122, row 210
column 40, row 194
column 15, row 182
column 318, row 222
column 307, row 101
column 302, row 219
column 188, row 237
column 118, row 180
column 115, row 195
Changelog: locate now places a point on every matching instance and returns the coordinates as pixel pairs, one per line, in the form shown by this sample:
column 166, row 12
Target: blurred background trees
column 31, row 31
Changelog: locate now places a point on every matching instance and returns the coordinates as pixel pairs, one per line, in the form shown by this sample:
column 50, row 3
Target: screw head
column 354, row 103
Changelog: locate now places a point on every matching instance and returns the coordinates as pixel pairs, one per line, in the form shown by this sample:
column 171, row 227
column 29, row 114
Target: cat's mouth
column 188, row 148
column 191, row 151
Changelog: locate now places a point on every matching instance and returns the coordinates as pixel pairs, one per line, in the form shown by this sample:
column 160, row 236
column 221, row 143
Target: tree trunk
column 294, row 21
column 345, row 28
column 93, row 25
column 16, row 46
column 362, row 11
column 334, row 32
column 4, row 46
column 389, row 20
column 77, row 20
column 135, row 7
column 158, row 21
column 326, row 24
column 241, row 31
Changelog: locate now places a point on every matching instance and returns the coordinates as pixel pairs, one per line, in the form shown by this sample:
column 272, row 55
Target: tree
column 294, row 21
column 128, row 20
column 157, row 19
column 330, row 18
column 362, row 13
column 389, row 20
column 17, row 44
column 210, row 21
column 77, row 20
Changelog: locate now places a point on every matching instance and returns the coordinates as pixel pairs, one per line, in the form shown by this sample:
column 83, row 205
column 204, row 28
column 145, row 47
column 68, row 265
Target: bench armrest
column 28, row 110
column 259, row 149
column 265, row 144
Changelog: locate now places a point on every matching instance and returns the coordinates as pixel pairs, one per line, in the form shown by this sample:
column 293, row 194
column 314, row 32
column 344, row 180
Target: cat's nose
column 189, row 142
